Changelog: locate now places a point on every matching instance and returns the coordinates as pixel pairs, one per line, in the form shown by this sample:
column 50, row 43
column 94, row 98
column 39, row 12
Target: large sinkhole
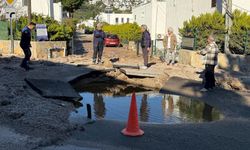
column 110, row 100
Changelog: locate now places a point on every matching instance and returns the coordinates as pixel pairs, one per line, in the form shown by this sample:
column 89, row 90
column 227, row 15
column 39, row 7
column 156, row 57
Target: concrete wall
column 39, row 49
column 236, row 62
column 111, row 18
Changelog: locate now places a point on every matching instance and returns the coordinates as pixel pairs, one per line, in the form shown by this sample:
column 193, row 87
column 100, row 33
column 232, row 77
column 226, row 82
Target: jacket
column 25, row 38
column 146, row 40
column 173, row 42
column 99, row 37
column 211, row 54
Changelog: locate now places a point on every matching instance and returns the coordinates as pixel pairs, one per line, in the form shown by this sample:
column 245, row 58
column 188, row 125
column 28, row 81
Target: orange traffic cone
column 133, row 128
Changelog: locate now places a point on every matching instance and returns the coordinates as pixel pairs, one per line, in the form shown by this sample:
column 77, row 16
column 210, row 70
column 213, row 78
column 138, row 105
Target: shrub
column 238, row 36
column 56, row 31
column 215, row 23
column 204, row 25
column 126, row 32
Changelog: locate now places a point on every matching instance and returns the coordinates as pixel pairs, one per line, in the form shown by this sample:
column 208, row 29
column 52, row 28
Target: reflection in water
column 207, row 113
column 197, row 110
column 144, row 109
column 153, row 107
column 167, row 105
column 99, row 106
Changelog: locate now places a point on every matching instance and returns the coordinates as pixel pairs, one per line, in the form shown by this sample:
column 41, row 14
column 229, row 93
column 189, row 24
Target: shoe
column 162, row 59
column 100, row 62
column 204, row 90
column 144, row 67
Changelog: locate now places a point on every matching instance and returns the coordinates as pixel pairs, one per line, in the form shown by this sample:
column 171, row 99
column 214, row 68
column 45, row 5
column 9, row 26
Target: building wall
column 112, row 18
column 44, row 7
column 58, row 11
column 159, row 15
column 242, row 5
column 40, row 7
column 143, row 15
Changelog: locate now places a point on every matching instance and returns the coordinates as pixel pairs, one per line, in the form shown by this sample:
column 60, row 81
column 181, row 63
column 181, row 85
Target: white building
column 43, row 7
column 112, row 18
column 88, row 23
column 242, row 5
column 159, row 15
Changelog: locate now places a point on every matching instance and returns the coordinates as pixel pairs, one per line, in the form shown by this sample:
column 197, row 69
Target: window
column 122, row 20
column 25, row 2
column 127, row 20
column 213, row 3
column 116, row 20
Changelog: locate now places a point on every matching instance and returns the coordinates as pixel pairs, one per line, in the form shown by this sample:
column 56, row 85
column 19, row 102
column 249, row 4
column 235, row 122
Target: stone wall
column 234, row 62
column 39, row 49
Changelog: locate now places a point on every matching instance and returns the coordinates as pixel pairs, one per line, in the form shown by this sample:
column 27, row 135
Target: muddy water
column 112, row 103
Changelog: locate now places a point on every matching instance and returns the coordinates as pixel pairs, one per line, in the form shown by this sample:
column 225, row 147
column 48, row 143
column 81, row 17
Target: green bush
column 203, row 26
column 56, row 31
column 214, row 23
column 126, row 32
column 89, row 28
column 239, row 40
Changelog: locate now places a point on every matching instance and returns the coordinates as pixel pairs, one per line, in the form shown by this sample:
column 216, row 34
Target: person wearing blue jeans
column 98, row 44
column 25, row 44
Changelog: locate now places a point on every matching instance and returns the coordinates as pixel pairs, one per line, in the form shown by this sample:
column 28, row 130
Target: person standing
column 98, row 44
column 25, row 44
column 211, row 59
column 145, row 45
column 169, row 44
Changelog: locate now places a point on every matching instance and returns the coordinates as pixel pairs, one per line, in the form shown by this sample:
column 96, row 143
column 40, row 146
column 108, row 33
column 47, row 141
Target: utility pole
column 29, row 11
column 228, row 23
column 51, row 6
column 11, row 33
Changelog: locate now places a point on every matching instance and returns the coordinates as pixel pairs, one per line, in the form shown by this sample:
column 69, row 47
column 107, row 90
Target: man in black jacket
column 25, row 44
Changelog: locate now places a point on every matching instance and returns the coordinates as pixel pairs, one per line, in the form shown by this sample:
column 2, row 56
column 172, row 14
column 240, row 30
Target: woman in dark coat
column 145, row 45
column 98, row 44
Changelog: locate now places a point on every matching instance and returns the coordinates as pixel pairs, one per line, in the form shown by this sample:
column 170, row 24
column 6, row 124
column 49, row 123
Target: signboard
column 41, row 32
column 10, row 2
column 8, row 11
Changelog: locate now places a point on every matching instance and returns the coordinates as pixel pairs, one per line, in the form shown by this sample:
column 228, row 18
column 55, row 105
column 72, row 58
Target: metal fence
column 4, row 32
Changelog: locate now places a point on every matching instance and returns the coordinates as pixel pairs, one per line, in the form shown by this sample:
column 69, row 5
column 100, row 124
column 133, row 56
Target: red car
column 112, row 40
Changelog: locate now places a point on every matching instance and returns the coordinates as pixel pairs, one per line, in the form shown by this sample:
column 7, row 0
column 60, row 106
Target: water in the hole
column 153, row 107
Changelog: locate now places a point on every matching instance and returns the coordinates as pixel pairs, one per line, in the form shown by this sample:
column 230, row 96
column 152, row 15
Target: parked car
column 112, row 40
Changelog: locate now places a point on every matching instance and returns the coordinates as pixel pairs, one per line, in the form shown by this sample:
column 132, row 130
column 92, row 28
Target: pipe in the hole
column 89, row 111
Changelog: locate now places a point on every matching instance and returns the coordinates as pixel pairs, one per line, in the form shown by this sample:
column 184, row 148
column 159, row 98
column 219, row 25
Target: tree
column 71, row 5
column 88, row 11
